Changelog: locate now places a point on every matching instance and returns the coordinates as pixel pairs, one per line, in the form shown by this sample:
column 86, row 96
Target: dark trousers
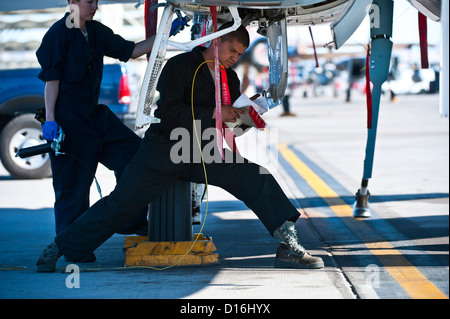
column 96, row 138
column 150, row 173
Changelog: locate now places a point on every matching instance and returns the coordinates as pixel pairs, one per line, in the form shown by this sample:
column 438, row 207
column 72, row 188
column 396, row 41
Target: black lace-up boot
column 290, row 254
column 47, row 260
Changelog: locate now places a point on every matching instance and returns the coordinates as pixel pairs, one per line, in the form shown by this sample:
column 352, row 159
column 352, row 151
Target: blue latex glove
column 50, row 130
column 178, row 25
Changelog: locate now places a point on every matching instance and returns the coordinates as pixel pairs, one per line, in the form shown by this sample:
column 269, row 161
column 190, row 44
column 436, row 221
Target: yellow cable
column 206, row 179
column 204, row 170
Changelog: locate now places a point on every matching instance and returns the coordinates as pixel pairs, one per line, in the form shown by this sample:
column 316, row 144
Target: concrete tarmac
column 401, row 252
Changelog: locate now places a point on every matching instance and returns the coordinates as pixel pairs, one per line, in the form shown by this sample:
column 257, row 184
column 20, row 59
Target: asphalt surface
column 401, row 252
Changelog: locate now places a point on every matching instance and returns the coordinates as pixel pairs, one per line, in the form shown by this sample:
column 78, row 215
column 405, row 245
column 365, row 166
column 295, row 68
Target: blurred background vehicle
column 22, row 95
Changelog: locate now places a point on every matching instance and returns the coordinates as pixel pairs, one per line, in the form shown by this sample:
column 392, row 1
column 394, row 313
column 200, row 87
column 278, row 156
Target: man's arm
column 143, row 47
column 51, row 95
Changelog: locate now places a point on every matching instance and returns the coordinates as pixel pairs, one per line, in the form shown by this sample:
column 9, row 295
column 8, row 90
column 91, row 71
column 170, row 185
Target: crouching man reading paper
column 151, row 171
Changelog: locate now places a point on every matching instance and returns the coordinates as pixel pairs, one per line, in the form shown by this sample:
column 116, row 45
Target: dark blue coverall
column 151, row 171
column 93, row 133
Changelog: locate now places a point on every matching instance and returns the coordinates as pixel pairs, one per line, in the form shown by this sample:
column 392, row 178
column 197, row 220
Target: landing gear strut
column 379, row 63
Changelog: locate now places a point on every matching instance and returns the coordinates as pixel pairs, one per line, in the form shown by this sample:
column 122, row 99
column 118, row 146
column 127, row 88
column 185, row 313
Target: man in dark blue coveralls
column 71, row 57
column 151, row 171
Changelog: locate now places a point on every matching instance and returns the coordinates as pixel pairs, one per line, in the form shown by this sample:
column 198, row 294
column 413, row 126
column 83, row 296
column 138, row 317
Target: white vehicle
column 411, row 81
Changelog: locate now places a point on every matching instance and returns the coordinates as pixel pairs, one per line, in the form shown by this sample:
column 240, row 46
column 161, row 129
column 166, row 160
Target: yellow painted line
column 405, row 273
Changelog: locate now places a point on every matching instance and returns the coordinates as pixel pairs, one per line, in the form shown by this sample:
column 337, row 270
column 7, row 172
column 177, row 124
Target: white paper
column 260, row 104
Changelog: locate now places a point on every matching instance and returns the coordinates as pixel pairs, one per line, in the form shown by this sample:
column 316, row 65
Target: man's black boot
column 290, row 254
column 47, row 260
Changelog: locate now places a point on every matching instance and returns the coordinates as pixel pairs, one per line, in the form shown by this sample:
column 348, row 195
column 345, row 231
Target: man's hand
column 50, row 130
column 230, row 114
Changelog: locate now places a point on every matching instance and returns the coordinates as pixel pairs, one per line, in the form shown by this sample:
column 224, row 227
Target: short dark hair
column 241, row 34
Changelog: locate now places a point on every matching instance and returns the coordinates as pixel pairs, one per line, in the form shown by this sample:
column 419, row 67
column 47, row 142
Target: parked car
column 22, row 94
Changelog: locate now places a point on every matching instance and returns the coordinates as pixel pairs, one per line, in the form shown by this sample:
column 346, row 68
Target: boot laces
column 51, row 251
column 290, row 236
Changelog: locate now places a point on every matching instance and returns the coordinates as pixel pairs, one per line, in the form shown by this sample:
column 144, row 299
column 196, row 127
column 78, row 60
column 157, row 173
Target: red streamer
column 423, row 33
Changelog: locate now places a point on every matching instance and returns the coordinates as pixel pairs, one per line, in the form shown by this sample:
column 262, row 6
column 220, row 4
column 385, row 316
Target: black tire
column 23, row 131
